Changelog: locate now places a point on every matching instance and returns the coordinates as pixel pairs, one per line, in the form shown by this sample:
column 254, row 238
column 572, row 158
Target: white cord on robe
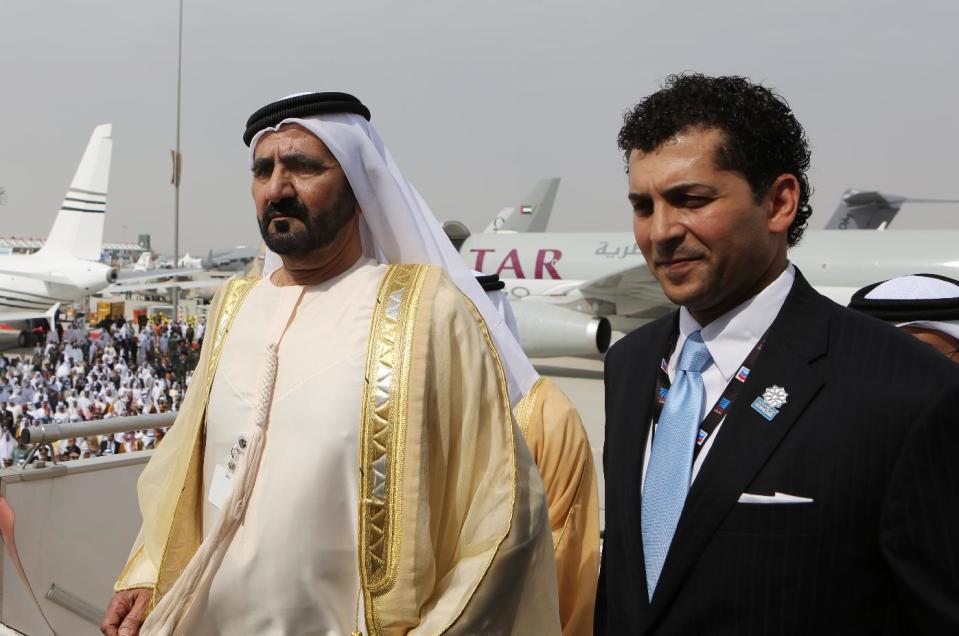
column 164, row 618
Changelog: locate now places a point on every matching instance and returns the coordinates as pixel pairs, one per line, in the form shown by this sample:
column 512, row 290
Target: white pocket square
column 777, row 498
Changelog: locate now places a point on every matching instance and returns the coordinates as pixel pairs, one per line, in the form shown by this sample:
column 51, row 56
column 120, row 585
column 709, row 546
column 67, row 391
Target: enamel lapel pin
column 770, row 402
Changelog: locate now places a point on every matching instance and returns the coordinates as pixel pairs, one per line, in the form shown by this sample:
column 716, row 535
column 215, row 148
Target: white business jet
column 67, row 267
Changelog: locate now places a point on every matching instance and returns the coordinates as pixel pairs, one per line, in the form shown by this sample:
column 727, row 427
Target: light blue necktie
column 671, row 459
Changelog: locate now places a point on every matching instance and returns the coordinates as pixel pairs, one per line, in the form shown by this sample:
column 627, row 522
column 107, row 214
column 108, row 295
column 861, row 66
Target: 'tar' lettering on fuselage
column 511, row 267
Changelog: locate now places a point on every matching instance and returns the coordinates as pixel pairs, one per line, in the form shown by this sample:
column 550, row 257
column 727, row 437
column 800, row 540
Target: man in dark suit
column 775, row 463
column 109, row 445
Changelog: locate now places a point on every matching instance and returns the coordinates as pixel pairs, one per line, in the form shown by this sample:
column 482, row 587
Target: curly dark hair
column 763, row 139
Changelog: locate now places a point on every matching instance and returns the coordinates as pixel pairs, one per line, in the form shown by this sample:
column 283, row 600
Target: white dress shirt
column 729, row 339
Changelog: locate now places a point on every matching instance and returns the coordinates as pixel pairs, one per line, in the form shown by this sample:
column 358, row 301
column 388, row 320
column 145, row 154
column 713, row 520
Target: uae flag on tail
column 526, row 209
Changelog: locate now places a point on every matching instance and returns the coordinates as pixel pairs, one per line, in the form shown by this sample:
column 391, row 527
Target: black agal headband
column 908, row 310
column 305, row 105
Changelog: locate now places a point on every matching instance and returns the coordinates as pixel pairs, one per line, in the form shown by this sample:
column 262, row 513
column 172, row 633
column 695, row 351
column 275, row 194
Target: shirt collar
column 732, row 336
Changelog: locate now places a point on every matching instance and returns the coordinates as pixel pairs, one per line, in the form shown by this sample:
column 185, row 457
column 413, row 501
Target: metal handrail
column 82, row 608
column 52, row 432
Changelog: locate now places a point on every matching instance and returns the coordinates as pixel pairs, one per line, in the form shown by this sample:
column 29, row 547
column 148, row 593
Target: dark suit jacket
column 870, row 431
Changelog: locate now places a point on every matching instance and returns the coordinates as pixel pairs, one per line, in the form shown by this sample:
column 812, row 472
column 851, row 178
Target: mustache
column 292, row 207
column 660, row 258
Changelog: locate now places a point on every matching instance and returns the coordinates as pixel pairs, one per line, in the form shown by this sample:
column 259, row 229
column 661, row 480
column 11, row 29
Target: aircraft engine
column 111, row 275
column 547, row 331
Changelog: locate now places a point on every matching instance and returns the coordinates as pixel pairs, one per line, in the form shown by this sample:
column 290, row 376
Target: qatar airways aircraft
column 571, row 289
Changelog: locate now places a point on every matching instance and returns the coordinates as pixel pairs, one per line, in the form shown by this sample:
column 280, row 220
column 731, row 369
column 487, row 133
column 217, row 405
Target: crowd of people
column 121, row 368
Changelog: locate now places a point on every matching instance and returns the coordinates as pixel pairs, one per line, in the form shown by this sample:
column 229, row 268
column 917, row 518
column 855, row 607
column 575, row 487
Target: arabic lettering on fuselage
column 620, row 252
column 545, row 266
column 511, row 267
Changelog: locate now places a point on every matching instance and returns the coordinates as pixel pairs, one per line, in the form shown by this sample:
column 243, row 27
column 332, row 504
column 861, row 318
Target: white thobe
column 292, row 566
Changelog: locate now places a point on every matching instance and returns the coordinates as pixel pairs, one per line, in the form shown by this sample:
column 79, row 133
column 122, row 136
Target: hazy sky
column 476, row 100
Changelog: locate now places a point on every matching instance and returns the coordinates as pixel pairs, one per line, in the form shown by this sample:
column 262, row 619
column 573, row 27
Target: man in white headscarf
column 396, row 494
column 7, row 444
column 924, row 305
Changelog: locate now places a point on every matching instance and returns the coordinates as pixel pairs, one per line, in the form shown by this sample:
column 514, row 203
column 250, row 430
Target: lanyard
column 715, row 416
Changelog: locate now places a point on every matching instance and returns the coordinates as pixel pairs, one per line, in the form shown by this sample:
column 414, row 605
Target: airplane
column 146, row 268
column 144, row 263
column 571, row 290
column 189, row 261
column 532, row 214
column 239, row 261
column 242, row 260
column 234, row 259
column 871, row 210
column 67, row 268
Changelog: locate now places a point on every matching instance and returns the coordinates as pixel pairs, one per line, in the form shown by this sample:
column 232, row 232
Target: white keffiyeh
column 396, row 225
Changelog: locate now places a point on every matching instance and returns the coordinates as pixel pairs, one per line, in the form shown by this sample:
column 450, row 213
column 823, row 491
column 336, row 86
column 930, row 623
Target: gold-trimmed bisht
column 383, row 431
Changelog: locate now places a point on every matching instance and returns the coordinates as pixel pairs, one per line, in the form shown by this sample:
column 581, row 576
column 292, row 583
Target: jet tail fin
column 78, row 228
column 256, row 265
column 865, row 210
column 144, row 263
column 871, row 210
column 532, row 214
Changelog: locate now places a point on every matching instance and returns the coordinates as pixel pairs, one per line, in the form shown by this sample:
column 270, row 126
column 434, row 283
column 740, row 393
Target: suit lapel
column 639, row 389
column 747, row 439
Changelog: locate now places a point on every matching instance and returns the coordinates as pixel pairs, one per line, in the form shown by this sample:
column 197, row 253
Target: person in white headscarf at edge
column 345, row 458
column 7, row 444
column 924, row 305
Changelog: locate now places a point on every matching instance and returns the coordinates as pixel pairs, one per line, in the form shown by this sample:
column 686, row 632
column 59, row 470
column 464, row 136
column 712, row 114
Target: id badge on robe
column 222, row 484
column 221, row 487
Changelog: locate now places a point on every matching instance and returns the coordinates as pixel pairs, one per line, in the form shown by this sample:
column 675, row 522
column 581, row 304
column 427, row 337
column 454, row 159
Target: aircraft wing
column 201, row 284
column 153, row 274
column 47, row 277
column 633, row 290
column 17, row 316
column 162, row 286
